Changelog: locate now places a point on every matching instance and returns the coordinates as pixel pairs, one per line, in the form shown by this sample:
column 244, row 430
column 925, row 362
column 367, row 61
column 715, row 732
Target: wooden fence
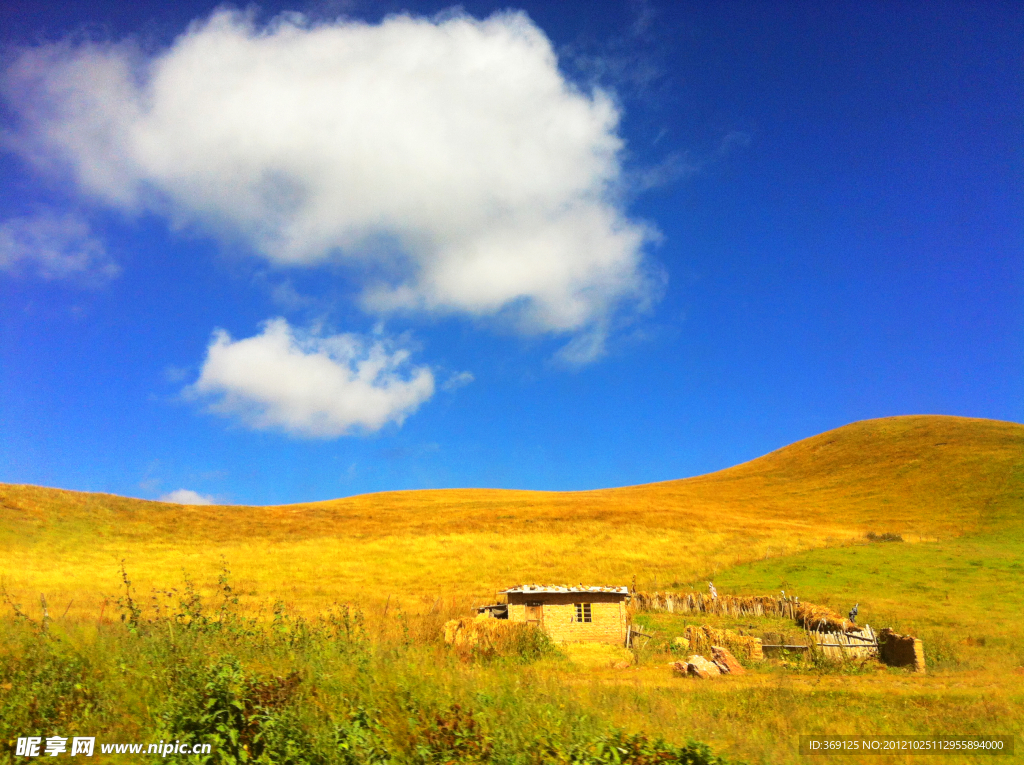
column 826, row 630
column 723, row 605
column 861, row 644
column 807, row 615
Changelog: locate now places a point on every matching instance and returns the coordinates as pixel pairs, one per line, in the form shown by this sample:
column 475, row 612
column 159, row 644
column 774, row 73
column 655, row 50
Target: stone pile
column 724, row 663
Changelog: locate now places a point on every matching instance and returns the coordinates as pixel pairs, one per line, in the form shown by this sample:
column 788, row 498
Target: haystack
column 822, row 619
column 479, row 633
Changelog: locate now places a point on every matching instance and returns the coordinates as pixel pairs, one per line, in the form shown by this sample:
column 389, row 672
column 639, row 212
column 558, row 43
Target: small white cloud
column 54, row 247
column 458, row 380
column 187, row 497
column 311, row 386
column 448, row 161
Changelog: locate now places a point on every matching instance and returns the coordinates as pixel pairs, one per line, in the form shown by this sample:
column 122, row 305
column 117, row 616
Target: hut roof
column 552, row 588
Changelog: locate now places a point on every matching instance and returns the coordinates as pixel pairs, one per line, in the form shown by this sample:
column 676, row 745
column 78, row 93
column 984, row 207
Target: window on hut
column 583, row 612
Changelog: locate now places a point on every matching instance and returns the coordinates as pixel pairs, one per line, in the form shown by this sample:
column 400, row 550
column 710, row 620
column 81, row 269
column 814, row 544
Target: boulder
column 698, row 666
column 726, row 661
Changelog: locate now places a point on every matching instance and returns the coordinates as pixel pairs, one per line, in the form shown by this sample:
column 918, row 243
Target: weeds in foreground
column 243, row 716
column 619, row 747
column 293, row 691
column 43, row 684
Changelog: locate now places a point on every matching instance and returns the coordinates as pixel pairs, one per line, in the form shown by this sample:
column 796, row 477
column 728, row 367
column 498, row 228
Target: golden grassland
column 795, row 519
column 928, row 478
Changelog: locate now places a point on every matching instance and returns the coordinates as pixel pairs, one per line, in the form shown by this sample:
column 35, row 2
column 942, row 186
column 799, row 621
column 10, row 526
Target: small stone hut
column 572, row 614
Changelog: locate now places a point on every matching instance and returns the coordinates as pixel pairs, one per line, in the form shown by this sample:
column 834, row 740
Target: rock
column 726, row 661
column 698, row 666
column 679, row 668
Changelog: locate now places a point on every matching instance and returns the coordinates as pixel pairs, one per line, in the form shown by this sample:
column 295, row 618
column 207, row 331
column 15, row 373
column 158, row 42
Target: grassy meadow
column 363, row 585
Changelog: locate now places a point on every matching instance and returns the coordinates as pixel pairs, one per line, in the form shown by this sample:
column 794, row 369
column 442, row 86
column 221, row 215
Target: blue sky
column 270, row 258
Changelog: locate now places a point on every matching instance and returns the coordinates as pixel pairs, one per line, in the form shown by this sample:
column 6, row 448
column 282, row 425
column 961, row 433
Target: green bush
column 525, row 643
column 357, row 739
column 244, row 717
column 621, row 748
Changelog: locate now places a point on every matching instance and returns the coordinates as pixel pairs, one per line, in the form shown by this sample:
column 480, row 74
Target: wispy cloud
column 458, row 380
column 583, row 349
column 54, row 247
column 310, row 385
column 632, row 63
column 448, row 160
column 678, row 166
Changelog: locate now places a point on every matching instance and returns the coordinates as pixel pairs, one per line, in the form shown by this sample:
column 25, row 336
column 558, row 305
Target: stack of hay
column 822, row 619
column 480, row 633
column 703, row 639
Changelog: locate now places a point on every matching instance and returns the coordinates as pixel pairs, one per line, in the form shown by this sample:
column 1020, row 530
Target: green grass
column 963, row 596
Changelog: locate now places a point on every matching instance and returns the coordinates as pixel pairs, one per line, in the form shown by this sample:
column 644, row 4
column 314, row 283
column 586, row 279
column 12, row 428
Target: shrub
column 451, row 735
column 887, row 537
column 357, row 739
column 245, row 718
column 623, row 749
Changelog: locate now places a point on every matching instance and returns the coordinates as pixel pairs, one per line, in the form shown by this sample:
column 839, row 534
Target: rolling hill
column 925, row 477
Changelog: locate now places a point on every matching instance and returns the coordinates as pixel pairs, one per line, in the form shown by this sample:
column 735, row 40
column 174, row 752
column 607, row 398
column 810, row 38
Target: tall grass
column 286, row 689
column 355, row 686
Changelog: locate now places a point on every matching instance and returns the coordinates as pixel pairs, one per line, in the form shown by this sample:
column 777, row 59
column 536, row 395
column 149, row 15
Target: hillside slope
column 927, row 477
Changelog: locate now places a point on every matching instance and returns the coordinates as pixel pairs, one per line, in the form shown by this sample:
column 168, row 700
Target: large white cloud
column 309, row 385
column 449, row 159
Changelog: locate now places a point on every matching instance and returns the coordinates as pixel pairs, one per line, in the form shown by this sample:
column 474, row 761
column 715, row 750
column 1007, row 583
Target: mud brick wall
column 558, row 615
column 901, row 650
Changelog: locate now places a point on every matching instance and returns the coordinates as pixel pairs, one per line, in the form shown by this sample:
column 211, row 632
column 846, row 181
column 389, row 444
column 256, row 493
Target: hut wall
column 607, row 610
